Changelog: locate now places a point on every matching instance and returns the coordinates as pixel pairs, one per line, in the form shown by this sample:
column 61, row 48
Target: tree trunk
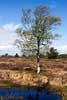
column 38, row 56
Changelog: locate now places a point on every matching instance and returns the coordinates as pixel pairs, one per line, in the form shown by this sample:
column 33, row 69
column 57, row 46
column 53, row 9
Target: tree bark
column 38, row 56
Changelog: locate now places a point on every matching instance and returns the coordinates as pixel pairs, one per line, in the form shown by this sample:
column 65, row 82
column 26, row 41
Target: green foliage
column 5, row 55
column 62, row 56
column 37, row 27
column 52, row 54
column 16, row 55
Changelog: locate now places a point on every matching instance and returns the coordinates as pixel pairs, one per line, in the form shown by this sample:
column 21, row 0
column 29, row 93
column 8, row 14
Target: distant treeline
column 52, row 54
column 55, row 57
column 7, row 55
column 62, row 56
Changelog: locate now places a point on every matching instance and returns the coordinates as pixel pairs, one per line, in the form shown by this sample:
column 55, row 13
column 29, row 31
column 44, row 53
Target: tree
column 52, row 54
column 36, row 30
column 6, row 55
column 16, row 55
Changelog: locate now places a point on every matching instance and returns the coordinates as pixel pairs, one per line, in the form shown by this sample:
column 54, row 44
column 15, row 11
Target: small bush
column 52, row 54
column 16, row 55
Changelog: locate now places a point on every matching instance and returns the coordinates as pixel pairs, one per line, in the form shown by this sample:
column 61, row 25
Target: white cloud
column 61, row 47
column 11, row 27
column 6, row 47
column 8, row 37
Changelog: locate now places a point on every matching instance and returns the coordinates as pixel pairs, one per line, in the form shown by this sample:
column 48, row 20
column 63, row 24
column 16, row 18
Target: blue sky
column 10, row 19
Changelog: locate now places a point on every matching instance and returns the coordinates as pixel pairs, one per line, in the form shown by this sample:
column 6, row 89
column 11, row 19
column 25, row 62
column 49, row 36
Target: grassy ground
column 55, row 67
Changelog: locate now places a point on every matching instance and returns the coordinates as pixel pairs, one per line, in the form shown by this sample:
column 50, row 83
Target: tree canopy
column 36, row 31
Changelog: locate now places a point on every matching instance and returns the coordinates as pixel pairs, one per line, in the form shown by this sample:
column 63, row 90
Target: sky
column 10, row 19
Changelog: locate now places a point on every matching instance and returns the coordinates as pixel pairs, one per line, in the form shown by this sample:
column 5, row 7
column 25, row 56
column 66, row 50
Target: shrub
column 52, row 54
column 16, row 55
